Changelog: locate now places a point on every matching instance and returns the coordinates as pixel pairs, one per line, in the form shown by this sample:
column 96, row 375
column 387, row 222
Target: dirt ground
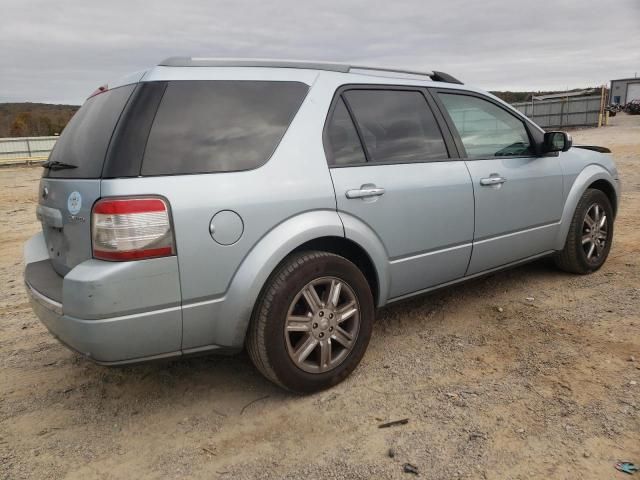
column 530, row 373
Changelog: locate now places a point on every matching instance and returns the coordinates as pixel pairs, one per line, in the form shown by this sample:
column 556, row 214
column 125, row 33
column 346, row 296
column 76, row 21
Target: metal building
column 624, row 90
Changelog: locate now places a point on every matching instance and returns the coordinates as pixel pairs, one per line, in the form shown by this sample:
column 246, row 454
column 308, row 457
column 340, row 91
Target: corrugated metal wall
column 22, row 149
column 563, row 112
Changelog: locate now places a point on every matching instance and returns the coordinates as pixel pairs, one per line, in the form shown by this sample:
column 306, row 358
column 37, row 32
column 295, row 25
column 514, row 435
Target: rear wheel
column 590, row 235
column 312, row 323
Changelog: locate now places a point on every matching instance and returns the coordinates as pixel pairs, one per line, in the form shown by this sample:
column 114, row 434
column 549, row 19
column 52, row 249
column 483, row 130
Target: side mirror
column 557, row 142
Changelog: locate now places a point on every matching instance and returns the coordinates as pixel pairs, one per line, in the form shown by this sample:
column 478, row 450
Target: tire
column 574, row 257
column 286, row 303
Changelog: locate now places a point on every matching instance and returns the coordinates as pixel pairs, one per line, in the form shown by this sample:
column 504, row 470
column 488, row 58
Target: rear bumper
column 110, row 341
column 110, row 312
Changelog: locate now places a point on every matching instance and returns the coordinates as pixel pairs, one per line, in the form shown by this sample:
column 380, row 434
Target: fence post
column 601, row 107
column 28, row 148
column 533, row 108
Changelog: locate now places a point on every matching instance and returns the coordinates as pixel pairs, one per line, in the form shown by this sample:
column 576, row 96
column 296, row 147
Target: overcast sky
column 60, row 51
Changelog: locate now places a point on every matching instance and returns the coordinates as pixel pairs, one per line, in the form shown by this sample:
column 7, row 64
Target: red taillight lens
column 131, row 229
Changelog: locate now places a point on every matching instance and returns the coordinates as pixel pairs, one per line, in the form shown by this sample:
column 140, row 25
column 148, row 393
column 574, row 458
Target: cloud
column 61, row 51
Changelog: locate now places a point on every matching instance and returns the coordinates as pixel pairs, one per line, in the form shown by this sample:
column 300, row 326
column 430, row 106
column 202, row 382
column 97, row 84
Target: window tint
column 397, row 126
column 85, row 139
column 344, row 144
column 124, row 157
column 219, row 126
column 486, row 130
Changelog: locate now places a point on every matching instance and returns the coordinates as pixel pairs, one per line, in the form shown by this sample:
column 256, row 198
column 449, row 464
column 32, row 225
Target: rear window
column 85, row 139
column 219, row 126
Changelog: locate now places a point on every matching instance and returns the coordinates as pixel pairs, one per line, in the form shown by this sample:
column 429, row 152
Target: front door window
column 485, row 129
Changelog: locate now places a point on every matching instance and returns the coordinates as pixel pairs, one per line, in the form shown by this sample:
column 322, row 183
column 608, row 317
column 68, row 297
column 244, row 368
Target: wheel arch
column 351, row 251
column 317, row 230
column 609, row 190
column 592, row 176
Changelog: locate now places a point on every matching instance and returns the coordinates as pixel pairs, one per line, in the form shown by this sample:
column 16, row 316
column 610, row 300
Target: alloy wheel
column 322, row 324
column 595, row 232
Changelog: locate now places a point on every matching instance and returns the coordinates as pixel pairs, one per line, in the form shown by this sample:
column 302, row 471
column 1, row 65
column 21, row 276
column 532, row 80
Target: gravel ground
column 530, row 373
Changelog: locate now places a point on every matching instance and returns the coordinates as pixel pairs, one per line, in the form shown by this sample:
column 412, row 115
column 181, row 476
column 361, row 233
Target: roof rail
column 390, row 70
column 312, row 65
column 434, row 75
column 445, row 77
column 251, row 62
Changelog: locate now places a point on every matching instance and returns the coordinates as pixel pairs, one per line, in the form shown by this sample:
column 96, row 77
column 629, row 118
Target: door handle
column 493, row 179
column 365, row 191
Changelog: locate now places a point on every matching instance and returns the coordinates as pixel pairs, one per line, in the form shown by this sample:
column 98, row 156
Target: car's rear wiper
column 55, row 165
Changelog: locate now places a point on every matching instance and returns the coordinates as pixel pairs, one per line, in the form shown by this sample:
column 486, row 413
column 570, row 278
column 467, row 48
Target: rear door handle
column 493, row 179
column 365, row 191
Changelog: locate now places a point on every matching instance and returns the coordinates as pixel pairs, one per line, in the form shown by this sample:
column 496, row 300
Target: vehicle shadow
column 478, row 288
column 233, row 383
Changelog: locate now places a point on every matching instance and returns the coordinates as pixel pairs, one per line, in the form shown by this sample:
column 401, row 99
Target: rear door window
column 219, row 125
column 85, row 139
column 397, row 126
column 344, row 147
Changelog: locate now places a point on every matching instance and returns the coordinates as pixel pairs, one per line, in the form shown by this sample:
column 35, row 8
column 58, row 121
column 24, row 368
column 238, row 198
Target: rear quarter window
column 85, row 139
column 219, row 125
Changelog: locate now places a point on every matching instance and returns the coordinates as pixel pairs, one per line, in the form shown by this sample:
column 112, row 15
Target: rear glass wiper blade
column 55, row 165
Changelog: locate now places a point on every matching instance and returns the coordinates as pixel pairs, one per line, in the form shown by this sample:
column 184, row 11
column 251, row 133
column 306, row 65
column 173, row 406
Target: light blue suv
column 205, row 205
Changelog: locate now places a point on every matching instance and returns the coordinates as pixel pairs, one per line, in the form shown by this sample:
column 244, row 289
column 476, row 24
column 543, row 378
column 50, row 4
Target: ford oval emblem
column 74, row 203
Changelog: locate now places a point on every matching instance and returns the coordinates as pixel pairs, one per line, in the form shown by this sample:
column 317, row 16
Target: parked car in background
column 207, row 205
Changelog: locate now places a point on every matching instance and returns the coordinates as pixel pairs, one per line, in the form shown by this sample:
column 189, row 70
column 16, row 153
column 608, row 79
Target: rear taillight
column 131, row 229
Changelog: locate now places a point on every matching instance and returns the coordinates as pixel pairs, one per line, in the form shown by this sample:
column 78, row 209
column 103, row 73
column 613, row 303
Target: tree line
column 34, row 119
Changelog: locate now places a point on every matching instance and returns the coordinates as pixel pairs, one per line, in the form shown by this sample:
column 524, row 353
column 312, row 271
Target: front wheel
column 312, row 322
column 590, row 235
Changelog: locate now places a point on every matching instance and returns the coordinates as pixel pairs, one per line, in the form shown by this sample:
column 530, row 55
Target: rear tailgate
column 71, row 185
column 65, row 213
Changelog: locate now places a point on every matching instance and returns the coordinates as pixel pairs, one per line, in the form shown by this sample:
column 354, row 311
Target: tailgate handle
column 50, row 216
